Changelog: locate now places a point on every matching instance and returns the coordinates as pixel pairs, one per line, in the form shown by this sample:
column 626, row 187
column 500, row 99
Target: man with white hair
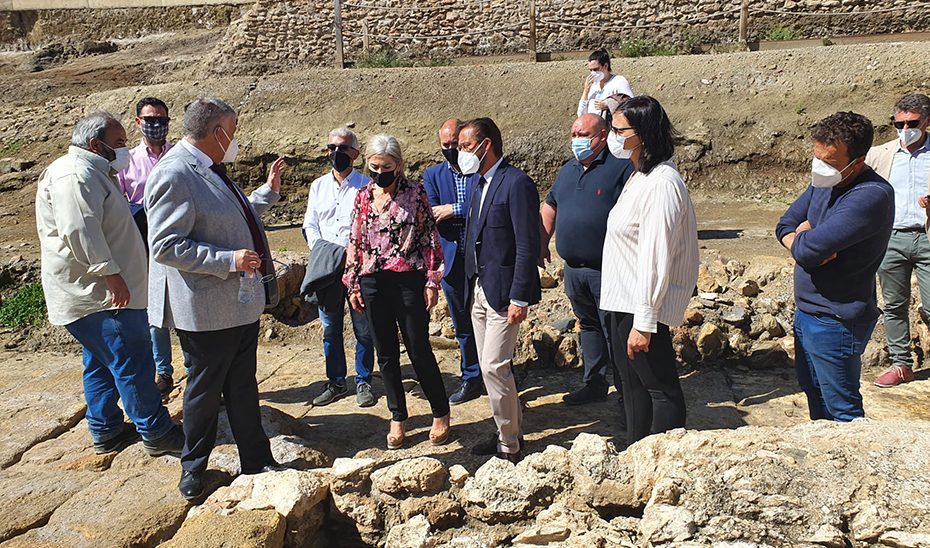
column 95, row 283
column 326, row 223
column 212, row 277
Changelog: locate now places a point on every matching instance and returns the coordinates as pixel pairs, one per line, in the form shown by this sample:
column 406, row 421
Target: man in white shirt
column 329, row 216
column 905, row 163
column 601, row 85
column 95, row 283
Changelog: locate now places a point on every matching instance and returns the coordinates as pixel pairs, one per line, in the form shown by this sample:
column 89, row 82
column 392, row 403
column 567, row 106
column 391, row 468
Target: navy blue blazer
column 439, row 184
column 502, row 246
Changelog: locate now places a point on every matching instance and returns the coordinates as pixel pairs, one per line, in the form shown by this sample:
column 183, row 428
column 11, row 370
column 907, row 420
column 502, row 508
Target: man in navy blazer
column 501, row 252
column 449, row 192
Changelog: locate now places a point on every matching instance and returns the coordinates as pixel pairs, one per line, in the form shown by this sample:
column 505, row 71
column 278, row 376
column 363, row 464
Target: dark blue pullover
column 855, row 223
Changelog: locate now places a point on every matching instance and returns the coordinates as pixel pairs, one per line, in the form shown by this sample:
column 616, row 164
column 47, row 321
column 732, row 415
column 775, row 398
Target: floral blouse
column 401, row 238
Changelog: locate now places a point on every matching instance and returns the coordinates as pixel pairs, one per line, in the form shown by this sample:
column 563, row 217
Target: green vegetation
column 826, row 41
column 641, row 48
column 11, row 148
column 799, row 109
column 778, row 32
column 390, row 59
column 25, row 307
column 282, row 249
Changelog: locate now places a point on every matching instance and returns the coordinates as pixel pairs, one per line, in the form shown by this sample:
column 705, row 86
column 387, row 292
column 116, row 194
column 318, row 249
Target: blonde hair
column 384, row 144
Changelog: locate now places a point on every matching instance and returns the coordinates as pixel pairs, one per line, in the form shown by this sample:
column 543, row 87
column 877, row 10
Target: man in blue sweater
column 837, row 232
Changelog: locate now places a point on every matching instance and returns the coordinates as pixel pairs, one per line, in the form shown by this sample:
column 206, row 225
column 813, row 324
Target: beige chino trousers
column 496, row 340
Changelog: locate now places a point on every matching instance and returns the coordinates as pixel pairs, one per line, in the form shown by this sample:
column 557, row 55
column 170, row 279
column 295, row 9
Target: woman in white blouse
column 650, row 268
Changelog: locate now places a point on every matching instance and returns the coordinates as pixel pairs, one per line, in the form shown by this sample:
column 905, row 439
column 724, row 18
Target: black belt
column 919, row 229
column 583, row 264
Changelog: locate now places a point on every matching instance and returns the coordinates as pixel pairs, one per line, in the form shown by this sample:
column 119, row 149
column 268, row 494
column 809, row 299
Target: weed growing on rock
column 390, row 59
column 26, row 307
column 641, row 48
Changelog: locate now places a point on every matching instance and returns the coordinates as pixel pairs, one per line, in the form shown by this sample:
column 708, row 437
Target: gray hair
column 345, row 133
column 203, row 116
column 93, row 126
column 915, row 102
column 384, row 144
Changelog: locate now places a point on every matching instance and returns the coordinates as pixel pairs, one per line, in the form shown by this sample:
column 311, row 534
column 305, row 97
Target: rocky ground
column 749, row 470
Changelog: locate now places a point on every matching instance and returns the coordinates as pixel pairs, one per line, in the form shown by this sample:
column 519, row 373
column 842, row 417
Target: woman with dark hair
column 650, row 268
column 394, row 265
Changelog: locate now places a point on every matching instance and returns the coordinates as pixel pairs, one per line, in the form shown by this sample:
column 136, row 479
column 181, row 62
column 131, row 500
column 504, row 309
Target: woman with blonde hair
column 394, row 266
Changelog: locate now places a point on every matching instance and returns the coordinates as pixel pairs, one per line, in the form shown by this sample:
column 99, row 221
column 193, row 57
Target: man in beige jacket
column 96, row 286
column 905, row 163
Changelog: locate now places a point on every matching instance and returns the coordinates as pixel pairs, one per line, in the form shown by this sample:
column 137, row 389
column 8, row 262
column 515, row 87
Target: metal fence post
column 532, row 41
column 337, row 28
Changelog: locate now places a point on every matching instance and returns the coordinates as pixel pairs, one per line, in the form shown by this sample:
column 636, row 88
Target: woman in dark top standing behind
column 650, row 267
column 394, row 265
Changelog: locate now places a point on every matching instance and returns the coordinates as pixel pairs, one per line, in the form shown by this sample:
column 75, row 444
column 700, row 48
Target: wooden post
column 744, row 24
column 340, row 60
column 366, row 43
column 532, row 41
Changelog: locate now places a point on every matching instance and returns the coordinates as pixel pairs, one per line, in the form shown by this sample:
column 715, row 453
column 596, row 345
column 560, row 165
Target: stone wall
column 282, row 33
column 31, row 28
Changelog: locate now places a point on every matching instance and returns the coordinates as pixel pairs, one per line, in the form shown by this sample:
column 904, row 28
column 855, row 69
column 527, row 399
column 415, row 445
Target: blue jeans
column 118, row 364
column 453, row 285
column 333, row 301
column 161, row 348
column 828, row 362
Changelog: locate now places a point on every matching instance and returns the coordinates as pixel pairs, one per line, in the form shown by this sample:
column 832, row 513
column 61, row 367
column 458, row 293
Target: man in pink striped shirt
column 152, row 120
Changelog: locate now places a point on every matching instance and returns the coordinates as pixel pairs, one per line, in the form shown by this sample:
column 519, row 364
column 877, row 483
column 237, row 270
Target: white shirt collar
column 490, row 174
column 197, row 153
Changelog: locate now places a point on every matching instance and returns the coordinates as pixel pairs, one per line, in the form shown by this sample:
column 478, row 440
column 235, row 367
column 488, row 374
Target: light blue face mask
column 581, row 148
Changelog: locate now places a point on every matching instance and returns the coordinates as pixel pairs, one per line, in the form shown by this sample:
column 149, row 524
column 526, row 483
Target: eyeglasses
column 162, row 120
column 280, row 270
column 908, row 123
column 617, row 130
column 341, row 148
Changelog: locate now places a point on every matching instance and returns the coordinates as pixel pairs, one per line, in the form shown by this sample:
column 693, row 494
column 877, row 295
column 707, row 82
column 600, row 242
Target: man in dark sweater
column 585, row 190
column 837, row 232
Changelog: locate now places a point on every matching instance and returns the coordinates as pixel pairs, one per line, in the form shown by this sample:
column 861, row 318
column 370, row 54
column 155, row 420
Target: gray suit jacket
column 195, row 226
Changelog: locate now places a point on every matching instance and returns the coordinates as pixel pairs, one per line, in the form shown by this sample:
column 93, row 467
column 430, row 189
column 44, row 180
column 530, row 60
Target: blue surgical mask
column 581, row 148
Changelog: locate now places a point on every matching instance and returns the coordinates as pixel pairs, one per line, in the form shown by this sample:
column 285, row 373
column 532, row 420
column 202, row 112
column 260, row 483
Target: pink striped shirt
column 132, row 179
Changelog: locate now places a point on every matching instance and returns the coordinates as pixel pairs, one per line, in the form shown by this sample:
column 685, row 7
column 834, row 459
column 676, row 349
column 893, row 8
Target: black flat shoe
column 584, row 395
column 489, row 447
column 191, row 485
column 512, row 457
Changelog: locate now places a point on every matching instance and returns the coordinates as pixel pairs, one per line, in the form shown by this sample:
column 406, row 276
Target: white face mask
column 229, row 154
column 121, row 159
column 823, row 175
column 615, row 144
column 598, row 76
column 909, row 136
column 469, row 163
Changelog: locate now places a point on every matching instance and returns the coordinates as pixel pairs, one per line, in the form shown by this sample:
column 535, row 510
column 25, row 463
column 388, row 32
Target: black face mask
column 340, row 161
column 383, row 179
column 452, row 155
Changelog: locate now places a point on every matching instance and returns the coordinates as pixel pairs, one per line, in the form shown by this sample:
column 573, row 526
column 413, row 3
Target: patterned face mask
column 155, row 129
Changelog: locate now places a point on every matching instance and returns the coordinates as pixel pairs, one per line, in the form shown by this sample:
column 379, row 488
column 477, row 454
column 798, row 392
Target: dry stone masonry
column 275, row 35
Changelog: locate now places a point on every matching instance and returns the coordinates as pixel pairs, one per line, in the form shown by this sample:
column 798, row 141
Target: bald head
column 593, row 127
column 449, row 134
column 590, row 123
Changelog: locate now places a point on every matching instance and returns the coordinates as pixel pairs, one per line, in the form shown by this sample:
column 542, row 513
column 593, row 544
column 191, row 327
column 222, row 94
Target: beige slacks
column 496, row 340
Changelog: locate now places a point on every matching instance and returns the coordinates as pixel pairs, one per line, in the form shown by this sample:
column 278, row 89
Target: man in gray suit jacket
column 206, row 238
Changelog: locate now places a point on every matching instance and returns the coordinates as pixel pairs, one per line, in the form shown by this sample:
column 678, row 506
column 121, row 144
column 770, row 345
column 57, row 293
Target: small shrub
column 13, row 147
column 25, row 307
column 282, row 249
column 381, row 59
column 641, row 48
column 799, row 109
column 826, row 41
column 778, row 32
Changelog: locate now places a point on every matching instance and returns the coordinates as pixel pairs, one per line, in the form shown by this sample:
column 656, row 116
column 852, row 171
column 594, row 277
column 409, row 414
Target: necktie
column 257, row 241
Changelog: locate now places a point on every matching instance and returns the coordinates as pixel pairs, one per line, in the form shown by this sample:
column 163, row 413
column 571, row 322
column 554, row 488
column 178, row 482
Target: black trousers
column 652, row 395
column 392, row 299
column 583, row 289
column 222, row 362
